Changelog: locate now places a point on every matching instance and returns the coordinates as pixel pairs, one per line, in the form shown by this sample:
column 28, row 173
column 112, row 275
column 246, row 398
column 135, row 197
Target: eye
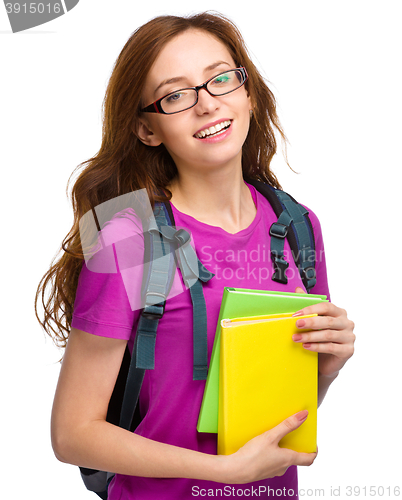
column 222, row 79
column 174, row 97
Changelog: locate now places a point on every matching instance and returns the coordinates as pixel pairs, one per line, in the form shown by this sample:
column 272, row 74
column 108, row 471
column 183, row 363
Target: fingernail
column 298, row 313
column 297, row 337
column 307, row 346
column 302, row 415
column 300, row 323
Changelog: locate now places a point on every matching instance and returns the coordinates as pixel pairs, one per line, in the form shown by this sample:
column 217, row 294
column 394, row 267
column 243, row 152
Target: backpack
column 165, row 248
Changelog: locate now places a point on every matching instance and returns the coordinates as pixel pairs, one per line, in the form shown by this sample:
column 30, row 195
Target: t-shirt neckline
column 208, row 227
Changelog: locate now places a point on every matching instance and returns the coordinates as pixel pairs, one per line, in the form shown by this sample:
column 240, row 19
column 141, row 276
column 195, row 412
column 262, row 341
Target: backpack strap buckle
column 154, row 311
column 278, row 230
column 280, row 267
column 181, row 236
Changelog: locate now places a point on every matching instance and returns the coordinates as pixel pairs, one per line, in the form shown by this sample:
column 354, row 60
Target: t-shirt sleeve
column 321, row 287
column 108, row 297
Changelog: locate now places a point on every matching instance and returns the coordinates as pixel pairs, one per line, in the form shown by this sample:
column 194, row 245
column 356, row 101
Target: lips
column 213, row 129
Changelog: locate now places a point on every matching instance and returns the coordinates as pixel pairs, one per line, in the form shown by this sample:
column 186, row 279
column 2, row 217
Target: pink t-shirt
column 107, row 305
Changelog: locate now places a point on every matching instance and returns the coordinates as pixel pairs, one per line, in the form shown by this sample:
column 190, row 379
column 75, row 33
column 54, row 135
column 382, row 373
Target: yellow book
column 264, row 378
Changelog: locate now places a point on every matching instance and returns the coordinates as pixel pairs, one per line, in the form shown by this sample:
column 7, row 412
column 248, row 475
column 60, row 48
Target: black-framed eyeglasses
column 186, row 98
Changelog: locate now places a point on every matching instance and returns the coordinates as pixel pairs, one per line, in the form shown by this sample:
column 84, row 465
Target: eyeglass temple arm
column 153, row 108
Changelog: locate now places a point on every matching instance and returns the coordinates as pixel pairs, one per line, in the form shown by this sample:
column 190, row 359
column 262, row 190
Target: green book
column 243, row 303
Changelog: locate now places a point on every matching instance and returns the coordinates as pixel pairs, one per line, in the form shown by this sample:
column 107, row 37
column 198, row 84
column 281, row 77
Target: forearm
column 323, row 384
column 82, row 436
column 103, row 446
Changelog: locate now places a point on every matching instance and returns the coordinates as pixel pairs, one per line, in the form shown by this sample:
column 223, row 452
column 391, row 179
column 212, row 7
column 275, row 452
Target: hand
column 331, row 336
column 262, row 458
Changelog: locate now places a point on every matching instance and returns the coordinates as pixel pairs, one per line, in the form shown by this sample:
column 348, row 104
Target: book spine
column 222, row 417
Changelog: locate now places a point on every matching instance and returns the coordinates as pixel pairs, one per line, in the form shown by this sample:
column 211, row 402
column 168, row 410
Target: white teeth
column 212, row 130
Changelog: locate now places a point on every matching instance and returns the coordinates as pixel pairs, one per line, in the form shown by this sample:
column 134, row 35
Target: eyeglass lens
column 186, row 98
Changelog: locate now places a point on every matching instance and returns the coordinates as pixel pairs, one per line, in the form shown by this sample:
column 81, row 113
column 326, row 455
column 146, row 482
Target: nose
column 206, row 102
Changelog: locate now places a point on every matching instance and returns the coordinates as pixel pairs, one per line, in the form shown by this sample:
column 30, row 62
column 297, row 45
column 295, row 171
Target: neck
column 218, row 198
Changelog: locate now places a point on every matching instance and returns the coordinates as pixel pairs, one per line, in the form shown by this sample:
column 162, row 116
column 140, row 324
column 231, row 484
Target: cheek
column 174, row 133
column 176, row 143
column 172, row 138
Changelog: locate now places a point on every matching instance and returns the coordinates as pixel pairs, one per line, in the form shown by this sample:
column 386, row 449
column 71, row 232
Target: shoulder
column 123, row 224
column 108, row 297
column 321, row 286
column 119, row 244
column 268, row 197
column 315, row 222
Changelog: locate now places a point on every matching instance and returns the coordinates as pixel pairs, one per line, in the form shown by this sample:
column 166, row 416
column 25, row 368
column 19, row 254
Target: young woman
column 169, row 128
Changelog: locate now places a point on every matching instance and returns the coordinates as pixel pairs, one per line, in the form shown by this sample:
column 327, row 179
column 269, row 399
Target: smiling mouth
column 213, row 131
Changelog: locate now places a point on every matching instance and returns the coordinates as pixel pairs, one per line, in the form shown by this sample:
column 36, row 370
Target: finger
column 305, row 459
column 323, row 323
column 334, row 336
column 299, row 290
column 288, row 425
column 341, row 351
column 322, row 309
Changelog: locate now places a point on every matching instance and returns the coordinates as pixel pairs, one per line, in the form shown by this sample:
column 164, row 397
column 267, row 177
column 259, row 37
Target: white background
column 335, row 70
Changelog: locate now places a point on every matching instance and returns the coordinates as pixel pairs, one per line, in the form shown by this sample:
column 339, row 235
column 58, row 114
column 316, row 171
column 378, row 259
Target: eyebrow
column 177, row 79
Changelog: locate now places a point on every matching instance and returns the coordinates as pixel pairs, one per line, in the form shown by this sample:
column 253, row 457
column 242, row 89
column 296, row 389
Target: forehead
column 188, row 54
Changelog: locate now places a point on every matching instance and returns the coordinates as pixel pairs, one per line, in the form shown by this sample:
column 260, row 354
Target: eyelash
column 173, row 94
column 218, row 80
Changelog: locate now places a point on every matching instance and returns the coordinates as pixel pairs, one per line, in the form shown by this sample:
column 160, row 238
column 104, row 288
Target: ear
column 250, row 104
column 145, row 134
column 251, row 109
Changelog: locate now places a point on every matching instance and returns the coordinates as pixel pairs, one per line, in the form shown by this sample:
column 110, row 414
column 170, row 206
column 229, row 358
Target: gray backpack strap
column 295, row 215
column 160, row 265
column 293, row 224
column 166, row 243
column 194, row 274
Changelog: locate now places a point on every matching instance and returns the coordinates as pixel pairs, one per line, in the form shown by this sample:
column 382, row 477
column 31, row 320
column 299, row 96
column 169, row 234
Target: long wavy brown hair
column 124, row 164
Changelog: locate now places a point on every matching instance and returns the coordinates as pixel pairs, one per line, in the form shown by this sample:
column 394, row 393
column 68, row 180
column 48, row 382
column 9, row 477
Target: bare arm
column 81, row 435
column 323, row 384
